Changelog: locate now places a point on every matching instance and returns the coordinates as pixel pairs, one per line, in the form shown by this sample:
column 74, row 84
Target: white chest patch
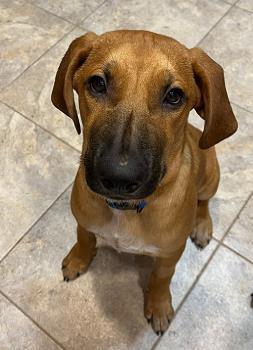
column 120, row 236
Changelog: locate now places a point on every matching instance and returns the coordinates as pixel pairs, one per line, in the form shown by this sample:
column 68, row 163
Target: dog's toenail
column 78, row 274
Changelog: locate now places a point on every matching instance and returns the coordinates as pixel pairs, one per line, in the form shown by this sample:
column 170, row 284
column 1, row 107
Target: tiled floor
column 39, row 153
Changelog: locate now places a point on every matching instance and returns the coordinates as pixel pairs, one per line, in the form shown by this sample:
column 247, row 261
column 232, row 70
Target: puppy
column 146, row 175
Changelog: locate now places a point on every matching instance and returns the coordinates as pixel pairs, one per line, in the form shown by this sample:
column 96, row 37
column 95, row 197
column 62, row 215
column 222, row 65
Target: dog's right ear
column 62, row 94
column 214, row 106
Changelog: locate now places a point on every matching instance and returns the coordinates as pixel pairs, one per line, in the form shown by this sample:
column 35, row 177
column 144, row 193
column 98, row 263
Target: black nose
column 121, row 178
column 120, row 186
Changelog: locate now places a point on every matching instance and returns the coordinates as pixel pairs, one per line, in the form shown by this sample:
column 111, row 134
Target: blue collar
column 126, row 206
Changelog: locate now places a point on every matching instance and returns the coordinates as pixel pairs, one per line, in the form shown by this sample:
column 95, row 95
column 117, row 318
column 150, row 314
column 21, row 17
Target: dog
column 146, row 175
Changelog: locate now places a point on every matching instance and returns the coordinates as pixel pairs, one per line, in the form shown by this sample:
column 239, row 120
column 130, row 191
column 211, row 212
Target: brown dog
column 136, row 90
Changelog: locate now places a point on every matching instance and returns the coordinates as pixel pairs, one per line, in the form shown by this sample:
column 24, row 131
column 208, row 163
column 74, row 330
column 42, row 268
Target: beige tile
column 26, row 32
column 240, row 236
column 102, row 309
column 236, row 162
column 230, row 1
column 188, row 269
column 74, row 10
column 30, row 94
column 18, row 332
column 217, row 314
column 35, row 169
column 246, row 4
column 230, row 44
column 185, row 20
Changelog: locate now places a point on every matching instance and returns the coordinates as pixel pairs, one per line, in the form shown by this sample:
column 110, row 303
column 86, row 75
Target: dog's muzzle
column 117, row 177
column 122, row 166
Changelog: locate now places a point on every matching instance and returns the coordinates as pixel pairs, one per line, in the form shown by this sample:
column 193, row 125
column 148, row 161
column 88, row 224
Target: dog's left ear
column 213, row 105
column 62, row 94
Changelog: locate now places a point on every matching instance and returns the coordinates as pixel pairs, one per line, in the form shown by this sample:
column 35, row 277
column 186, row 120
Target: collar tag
column 140, row 206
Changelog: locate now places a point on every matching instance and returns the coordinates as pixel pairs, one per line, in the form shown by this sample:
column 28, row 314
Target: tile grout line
column 219, row 20
column 226, row 2
column 41, row 127
column 236, row 253
column 52, row 13
column 85, row 17
column 35, row 223
column 38, row 59
column 236, row 217
column 243, row 108
column 33, row 321
column 241, row 8
column 220, row 243
column 233, row 250
column 65, row 18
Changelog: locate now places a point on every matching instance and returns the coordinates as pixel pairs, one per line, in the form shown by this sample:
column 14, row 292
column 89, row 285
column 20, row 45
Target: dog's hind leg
column 208, row 184
column 80, row 256
column 210, row 175
column 202, row 232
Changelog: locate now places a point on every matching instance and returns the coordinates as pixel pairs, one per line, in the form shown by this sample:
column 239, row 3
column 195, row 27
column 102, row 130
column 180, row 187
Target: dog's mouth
column 137, row 206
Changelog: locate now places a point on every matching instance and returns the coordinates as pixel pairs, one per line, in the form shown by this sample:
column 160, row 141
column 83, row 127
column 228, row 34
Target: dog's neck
column 124, row 205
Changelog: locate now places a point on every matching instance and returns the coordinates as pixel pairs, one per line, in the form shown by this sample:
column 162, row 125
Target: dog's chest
column 121, row 235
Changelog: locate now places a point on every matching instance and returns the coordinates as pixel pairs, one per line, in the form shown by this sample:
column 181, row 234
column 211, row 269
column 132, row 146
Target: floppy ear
column 213, row 106
column 62, row 94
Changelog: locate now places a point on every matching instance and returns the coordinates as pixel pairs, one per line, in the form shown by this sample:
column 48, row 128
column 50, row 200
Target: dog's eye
column 97, row 85
column 173, row 97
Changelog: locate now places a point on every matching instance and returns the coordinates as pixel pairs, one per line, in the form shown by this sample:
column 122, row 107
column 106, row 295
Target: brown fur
column 139, row 63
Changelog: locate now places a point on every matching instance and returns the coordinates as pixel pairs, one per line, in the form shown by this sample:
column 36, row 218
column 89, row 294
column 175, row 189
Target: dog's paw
column 159, row 313
column 202, row 232
column 73, row 265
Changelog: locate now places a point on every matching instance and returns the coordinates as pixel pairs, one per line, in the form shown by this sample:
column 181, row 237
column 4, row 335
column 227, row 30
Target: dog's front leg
column 80, row 256
column 157, row 304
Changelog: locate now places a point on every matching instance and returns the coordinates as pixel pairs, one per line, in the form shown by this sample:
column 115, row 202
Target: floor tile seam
column 241, row 107
column 41, row 127
column 90, row 14
column 216, row 24
column 37, row 325
column 68, row 20
column 51, row 13
column 225, row 245
column 2, row 90
column 236, row 217
column 242, row 8
column 35, row 223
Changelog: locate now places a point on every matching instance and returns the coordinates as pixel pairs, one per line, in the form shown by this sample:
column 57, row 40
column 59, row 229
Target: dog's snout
column 121, row 178
column 124, row 159
column 117, row 185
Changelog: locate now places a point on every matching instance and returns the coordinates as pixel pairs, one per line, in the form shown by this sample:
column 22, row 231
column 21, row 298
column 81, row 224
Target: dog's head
column 135, row 91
